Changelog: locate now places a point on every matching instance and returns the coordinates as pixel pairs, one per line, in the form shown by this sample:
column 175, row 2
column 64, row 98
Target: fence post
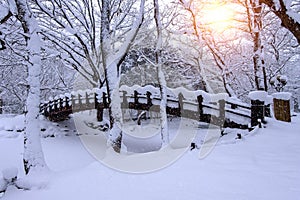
column 200, row 107
column 257, row 112
column 222, row 103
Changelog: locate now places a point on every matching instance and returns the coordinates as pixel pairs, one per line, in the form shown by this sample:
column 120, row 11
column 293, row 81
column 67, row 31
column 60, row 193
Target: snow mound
column 36, row 180
column 3, row 185
column 10, row 173
column 12, row 123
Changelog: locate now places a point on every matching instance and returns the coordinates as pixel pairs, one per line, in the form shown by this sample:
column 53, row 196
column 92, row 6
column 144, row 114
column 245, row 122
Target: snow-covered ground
column 264, row 164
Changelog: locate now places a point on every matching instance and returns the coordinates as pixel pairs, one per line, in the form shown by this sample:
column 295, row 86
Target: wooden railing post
column 55, row 105
column 149, row 100
column 80, row 102
column 200, row 107
column 87, row 100
column 51, row 105
column 99, row 105
column 67, row 105
column 96, row 100
column 105, row 103
column 100, row 109
column 1, row 105
column 41, row 107
column 125, row 101
column 136, row 97
column 268, row 110
column 73, row 102
column 222, row 108
column 257, row 112
column 61, row 102
column 222, row 103
column 180, row 104
column 45, row 108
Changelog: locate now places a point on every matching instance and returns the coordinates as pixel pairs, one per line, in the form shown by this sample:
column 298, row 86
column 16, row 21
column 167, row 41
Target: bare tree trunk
column 33, row 154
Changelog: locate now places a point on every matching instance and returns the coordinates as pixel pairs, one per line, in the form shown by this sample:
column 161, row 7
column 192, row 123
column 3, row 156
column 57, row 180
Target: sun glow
column 217, row 17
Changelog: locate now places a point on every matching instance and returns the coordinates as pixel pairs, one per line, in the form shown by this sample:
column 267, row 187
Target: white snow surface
column 264, row 164
column 9, row 173
column 258, row 95
column 282, row 95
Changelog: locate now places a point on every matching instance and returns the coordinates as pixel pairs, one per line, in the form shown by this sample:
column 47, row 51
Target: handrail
column 59, row 108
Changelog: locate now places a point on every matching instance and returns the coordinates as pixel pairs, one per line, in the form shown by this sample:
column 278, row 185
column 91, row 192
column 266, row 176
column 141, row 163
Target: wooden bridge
column 216, row 109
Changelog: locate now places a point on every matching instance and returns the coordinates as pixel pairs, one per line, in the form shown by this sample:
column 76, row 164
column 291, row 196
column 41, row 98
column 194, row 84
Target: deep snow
column 265, row 164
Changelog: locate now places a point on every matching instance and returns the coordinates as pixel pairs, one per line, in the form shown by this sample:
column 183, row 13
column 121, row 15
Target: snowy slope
column 263, row 165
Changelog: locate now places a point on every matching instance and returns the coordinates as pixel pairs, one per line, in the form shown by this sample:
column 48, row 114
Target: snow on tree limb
column 289, row 19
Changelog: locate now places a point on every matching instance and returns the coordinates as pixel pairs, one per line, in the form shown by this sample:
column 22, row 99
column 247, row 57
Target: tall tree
column 111, row 61
column 33, row 155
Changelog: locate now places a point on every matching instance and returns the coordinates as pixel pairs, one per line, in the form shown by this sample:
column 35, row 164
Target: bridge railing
column 211, row 112
column 195, row 105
